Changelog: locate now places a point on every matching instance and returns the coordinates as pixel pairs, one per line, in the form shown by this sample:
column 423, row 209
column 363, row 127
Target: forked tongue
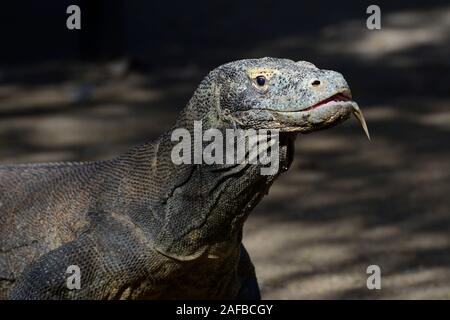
column 359, row 115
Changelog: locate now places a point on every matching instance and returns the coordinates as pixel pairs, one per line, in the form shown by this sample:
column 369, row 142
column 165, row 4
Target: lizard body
column 139, row 226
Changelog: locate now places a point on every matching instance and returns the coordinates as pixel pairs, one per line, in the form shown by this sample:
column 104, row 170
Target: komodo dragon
column 139, row 226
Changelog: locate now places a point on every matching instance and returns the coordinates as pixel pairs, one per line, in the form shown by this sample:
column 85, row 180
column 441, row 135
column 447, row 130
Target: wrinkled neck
column 192, row 209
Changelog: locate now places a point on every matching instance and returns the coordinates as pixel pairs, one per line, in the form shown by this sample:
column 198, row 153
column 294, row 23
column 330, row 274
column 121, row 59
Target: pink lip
column 341, row 96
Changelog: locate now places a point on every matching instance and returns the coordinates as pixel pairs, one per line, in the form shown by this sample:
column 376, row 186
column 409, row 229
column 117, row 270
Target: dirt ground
column 345, row 204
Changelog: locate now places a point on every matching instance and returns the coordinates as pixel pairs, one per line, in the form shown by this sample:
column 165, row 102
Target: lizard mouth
column 323, row 114
column 338, row 97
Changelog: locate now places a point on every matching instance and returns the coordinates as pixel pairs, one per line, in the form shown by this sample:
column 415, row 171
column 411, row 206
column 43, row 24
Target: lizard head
column 271, row 93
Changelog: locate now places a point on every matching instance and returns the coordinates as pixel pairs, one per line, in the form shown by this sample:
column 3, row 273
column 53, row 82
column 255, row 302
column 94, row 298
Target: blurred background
column 345, row 204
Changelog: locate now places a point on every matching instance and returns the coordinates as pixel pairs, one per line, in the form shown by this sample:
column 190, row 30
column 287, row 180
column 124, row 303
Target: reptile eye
column 261, row 80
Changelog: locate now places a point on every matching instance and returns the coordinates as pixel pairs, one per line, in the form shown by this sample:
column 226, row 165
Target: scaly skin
column 139, row 226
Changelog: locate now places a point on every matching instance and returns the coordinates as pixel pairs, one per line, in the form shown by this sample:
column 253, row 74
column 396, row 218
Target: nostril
column 315, row 83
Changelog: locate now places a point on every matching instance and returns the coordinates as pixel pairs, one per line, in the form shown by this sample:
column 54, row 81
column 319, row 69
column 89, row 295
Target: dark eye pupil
column 260, row 80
